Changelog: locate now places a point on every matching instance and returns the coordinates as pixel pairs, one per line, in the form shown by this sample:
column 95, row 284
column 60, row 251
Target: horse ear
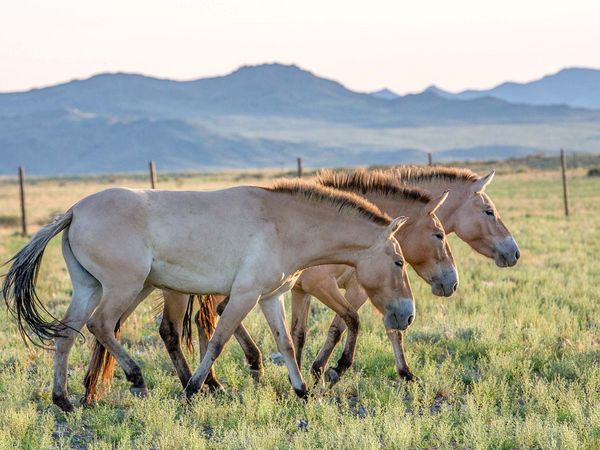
column 394, row 226
column 481, row 184
column 435, row 203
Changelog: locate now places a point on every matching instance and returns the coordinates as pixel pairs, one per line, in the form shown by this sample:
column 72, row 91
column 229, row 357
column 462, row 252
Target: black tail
column 18, row 289
column 186, row 336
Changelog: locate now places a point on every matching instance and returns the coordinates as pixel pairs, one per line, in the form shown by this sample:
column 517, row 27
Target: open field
column 512, row 360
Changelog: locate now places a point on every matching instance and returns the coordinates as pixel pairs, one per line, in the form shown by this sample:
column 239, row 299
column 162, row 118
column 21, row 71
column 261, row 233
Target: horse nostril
column 517, row 254
column 455, row 286
column 410, row 319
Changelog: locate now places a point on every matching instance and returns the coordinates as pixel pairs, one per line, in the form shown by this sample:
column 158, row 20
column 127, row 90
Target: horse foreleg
column 272, row 308
column 240, row 304
column 206, row 321
column 334, row 335
column 251, row 350
column 300, row 311
column 328, row 292
column 396, row 338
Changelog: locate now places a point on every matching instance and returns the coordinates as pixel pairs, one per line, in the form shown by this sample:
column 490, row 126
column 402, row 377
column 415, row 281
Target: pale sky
column 366, row 45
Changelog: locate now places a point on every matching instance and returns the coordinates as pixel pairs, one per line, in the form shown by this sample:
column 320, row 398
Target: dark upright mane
column 344, row 202
column 374, row 181
column 416, row 174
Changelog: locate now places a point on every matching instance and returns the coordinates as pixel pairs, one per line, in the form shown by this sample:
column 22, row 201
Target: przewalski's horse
column 423, row 244
column 248, row 242
column 468, row 211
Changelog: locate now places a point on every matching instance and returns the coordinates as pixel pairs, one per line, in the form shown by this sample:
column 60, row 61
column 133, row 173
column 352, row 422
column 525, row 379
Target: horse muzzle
column 507, row 252
column 400, row 314
column 446, row 284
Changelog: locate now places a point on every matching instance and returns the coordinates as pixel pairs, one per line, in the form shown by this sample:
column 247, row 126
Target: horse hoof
column 189, row 392
column 63, row 403
column 302, row 393
column 409, row 376
column 139, row 391
column 332, row 376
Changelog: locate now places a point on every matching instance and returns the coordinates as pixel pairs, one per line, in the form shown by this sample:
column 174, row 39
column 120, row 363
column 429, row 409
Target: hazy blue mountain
column 265, row 90
column 385, row 94
column 576, row 87
column 271, row 89
column 117, row 122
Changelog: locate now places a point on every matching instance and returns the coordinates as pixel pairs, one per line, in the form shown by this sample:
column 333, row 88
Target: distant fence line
column 153, row 175
column 153, row 178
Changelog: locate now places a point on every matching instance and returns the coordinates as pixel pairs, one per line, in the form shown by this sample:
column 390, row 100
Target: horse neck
column 447, row 213
column 316, row 234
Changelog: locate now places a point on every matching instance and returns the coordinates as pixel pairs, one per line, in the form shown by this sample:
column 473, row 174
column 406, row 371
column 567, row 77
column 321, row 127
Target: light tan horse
column 423, row 244
column 468, row 211
column 248, row 242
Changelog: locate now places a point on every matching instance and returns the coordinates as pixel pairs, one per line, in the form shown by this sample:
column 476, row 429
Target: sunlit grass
column 512, row 360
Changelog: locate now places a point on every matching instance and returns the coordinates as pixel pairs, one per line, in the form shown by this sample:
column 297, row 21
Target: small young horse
column 248, row 242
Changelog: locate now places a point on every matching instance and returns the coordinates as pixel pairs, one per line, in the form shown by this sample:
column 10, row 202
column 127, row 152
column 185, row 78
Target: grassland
column 511, row 361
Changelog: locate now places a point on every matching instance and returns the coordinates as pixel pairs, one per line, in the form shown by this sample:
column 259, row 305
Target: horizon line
column 291, row 65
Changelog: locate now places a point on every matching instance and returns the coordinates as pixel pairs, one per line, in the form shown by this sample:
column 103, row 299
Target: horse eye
column 399, row 263
column 440, row 236
column 489, row 212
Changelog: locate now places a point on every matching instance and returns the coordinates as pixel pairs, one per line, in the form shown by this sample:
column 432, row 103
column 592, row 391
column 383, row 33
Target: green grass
column 511, row 361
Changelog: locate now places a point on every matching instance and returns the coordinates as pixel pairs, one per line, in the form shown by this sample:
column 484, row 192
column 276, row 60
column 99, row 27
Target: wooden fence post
column 299, row 161
column 429, row 159
column 22, row 197
column 563, row 165
column 153, row 180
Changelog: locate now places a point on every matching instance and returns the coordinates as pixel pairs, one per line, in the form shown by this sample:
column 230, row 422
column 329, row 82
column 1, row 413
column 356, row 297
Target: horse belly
column 193, row 280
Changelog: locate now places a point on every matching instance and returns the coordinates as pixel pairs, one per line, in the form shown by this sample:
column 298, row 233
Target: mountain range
column 266, row 115
column 575, row 87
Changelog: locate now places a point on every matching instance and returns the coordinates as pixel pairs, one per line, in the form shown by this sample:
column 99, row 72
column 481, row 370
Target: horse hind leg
column 171, row 331
column 300, row 312
column 102, row 363
column 116, row 301
column 86, row 296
